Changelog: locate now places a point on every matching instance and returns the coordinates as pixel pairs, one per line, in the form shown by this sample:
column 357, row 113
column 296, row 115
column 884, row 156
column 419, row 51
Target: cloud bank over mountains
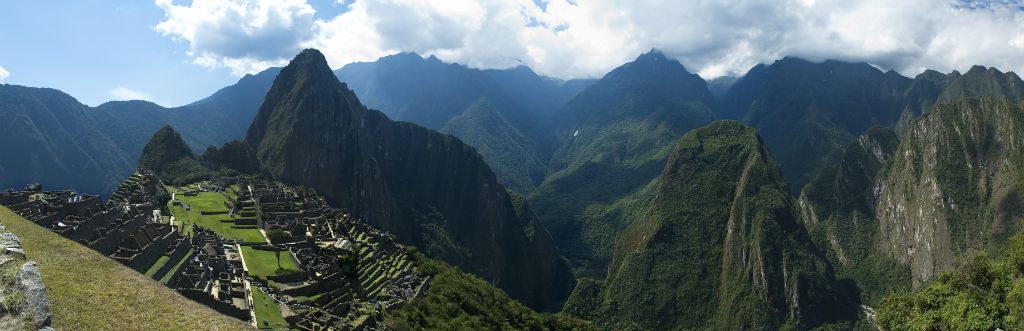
column 569, row 39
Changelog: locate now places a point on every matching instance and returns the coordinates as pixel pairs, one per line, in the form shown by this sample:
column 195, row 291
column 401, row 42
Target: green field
column 209, row 201
column 89, row 291
column 268, row 316
column 264, row 263
column 167, row 276
column 156, row 266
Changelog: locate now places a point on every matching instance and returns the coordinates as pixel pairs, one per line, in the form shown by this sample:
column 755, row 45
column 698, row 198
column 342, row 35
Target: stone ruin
column 214, row 275
column 23, row 301
column 348, row 267
column 127, row 227
column 350, row 272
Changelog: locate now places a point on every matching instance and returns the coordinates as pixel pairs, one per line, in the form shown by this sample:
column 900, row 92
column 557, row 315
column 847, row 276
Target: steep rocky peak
column 305, row 90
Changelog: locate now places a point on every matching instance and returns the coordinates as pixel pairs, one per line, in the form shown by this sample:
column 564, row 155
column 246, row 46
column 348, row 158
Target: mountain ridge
column 427, row 188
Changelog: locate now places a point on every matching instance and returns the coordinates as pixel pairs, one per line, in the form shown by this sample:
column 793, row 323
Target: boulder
column 30, row 283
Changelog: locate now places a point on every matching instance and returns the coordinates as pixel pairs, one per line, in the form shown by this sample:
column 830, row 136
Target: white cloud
column 242, row 35
column 121, row 93
column 4, row 74
column 586, row 38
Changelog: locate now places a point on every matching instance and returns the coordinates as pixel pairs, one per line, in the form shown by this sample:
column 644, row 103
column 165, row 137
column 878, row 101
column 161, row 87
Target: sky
column 173, row 52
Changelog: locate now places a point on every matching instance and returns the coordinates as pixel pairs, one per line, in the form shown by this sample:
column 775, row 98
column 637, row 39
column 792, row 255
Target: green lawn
column 209, row 201
column 268, row 316
column 156, row 266
column 89, row 291
column 264, row 263
column 167, row 276
column 233, row 191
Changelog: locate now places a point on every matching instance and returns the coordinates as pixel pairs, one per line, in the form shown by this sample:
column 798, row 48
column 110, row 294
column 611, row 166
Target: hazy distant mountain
column 65, row 144
column 427, row 188
column 212, row 121
column 447, row 96
column 807, row 111
column 612, row 140
column 517, row 157
column 720, row 85
column 49, row 137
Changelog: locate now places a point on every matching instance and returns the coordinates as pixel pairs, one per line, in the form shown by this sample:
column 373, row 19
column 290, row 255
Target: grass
column 167, row 276
column 156, row 266
column 89, row 291
column 267, row 311
column 209, row 201
column 264, row 263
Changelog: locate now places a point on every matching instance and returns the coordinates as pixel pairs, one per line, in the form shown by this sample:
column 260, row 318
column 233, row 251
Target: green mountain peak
column 720, row 247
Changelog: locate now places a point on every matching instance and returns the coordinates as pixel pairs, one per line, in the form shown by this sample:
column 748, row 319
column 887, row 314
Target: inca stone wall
column 23, row 302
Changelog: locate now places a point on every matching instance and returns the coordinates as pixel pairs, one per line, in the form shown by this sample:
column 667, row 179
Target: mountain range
column 62, row 143
column 745, row 202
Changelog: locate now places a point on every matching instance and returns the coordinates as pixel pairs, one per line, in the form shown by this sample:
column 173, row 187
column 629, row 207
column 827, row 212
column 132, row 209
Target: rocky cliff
column 953, row 185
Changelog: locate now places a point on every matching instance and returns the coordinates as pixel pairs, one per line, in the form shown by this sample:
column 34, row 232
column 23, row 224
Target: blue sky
column 176, row 51
column 95, row 50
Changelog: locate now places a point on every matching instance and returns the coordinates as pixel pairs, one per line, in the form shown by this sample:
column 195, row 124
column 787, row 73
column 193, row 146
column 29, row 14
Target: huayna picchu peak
column 532, row 165
column 427, row 188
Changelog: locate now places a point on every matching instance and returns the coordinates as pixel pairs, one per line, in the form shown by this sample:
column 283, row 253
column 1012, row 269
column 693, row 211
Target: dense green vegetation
column 982, row 294
column 720, row 247
column 517, row 158
column 456, row 300
column 961, row 176
column 980, row 82
column 171, row 159
column 611, row 141
column 839, row 213
column 89, row 291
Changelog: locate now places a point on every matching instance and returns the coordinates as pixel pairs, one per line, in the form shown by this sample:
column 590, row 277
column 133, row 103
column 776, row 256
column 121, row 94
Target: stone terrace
column 129, row 227
column 347, row 272
column 333, row 271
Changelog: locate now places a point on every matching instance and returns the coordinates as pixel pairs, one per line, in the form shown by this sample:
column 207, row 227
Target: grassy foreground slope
column 89, row 291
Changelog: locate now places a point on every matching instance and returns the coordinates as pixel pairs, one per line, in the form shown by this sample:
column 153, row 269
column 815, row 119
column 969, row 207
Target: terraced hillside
column 89, row 291
column 296, row 261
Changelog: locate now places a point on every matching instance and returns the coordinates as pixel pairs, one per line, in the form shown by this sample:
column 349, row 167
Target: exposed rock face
column 30, row 283
column 720, row 247
column 23, row 301
column 953, row 185
column 427, row 188
column 838, row 210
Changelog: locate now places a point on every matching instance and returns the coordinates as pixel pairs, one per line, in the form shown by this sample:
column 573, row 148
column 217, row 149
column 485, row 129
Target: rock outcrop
column 23, row 301
column 953, row 185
